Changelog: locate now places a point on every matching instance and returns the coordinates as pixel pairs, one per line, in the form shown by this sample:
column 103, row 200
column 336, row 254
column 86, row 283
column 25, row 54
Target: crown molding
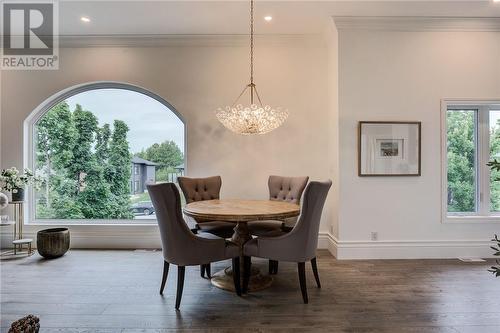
column 465, row 24
column 70, row 41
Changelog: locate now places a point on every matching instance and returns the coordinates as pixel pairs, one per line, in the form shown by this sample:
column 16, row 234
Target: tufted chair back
column 288, row 189
column 198, row 189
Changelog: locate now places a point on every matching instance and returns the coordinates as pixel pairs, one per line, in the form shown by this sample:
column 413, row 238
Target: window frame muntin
column 478, row 217
column 29, row 152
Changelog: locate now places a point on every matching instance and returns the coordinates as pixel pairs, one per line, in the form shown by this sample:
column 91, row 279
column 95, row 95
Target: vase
column 18, row 195
column 52, row 243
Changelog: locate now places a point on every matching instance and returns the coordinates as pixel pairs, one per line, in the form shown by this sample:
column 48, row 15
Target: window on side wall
column 471, row 191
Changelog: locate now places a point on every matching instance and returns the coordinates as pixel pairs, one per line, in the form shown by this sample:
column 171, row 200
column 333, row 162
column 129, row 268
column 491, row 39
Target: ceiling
column 231, row 17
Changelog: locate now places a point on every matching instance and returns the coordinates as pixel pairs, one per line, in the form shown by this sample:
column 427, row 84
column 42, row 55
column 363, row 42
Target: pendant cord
column 251, row 52
column 241, row 94
column 252, row 86
column 258, row 97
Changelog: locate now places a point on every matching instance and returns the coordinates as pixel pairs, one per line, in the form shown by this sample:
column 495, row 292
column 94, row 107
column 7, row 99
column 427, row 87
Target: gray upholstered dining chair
column 287, row 189
column 299, row 245
column 180, row 246
column 198, row 189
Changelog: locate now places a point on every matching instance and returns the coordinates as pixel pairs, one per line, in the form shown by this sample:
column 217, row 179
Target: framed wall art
column 389, row 148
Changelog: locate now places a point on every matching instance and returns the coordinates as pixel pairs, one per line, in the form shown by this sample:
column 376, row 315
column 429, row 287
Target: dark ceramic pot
column 52, row 243
column 19, row 195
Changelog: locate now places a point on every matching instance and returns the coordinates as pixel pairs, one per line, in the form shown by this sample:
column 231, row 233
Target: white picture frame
column 391, row 148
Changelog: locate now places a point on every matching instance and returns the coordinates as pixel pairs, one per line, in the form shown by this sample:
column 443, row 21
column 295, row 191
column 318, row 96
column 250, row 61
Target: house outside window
column 144, row 174
column 97, row 154
column 471, row 137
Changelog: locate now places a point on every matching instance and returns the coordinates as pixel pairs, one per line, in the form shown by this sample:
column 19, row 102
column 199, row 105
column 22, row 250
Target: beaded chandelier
column 253, row 118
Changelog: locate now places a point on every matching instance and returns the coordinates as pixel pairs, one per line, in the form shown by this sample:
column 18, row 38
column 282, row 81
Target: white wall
column 196, row 76
column 378, row 75
column 331, row 36
column 398, row 75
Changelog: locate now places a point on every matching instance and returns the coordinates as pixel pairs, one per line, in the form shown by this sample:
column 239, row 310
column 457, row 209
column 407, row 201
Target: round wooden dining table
column 240, row 212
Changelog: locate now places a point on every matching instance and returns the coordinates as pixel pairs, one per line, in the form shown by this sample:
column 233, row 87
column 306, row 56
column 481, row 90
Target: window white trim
column 482, row 216
column 29, row 151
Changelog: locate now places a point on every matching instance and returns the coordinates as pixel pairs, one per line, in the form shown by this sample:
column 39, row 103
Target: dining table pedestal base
column 241, row 212
column 224, row 280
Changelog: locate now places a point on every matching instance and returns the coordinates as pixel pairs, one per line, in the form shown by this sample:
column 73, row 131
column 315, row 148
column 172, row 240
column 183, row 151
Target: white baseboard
column 117, row 237
column 326, row 241
column 440, row 249
column 147, row 237
column 100, row 237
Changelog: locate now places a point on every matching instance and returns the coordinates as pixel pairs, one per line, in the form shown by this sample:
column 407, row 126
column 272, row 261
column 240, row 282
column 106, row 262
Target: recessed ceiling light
column 496, row 0
column 270, row 18
column 84, row 19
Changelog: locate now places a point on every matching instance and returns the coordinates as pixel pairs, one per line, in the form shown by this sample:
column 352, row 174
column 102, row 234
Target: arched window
column 97, row 146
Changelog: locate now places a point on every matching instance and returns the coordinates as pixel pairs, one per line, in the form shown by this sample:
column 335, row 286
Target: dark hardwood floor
column 117, row 291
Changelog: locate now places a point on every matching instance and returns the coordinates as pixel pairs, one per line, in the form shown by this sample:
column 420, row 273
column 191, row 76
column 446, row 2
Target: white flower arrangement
column 11, row 180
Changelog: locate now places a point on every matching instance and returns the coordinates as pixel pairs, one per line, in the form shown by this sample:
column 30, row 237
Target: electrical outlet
column 374, row 236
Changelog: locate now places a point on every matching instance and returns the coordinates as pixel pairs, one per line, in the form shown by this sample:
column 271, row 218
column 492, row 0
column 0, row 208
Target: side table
column 18, row 241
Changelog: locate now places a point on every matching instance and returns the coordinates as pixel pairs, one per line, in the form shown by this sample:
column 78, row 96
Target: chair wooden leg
column 302, row 278
column 315, row 271
column 181, row 271
column 164, row 278
column 236, row 275
column 247, row 270
column 273, row 267
column 208, row 271
column 202, row 271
